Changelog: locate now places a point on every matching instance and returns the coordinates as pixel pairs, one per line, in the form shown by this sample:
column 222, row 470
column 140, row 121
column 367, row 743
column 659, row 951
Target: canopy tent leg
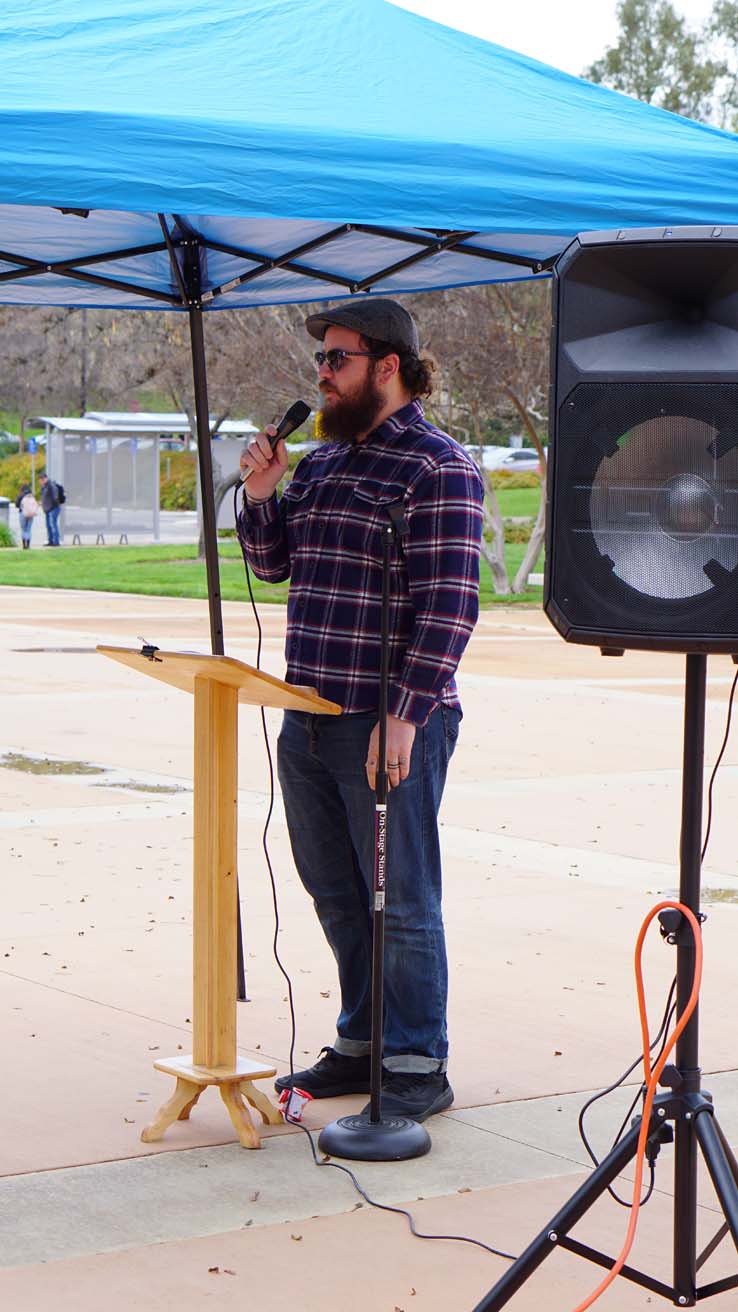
column 205, row 464
column 210, row 534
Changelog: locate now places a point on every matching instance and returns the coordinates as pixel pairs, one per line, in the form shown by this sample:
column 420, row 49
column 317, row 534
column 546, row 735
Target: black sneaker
column 332, row 1075
column 414, row 1094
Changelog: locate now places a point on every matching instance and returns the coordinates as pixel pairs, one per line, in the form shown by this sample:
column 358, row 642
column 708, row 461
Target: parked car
column 524, row 458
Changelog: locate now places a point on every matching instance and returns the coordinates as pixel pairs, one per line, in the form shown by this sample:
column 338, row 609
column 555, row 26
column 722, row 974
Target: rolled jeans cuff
column 414, row 1063
column 352, row 1047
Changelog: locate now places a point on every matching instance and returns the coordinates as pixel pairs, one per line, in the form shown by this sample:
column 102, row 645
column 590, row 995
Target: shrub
column 177, row 491
column 293, row 460
column 509, row 478
column 6, row 537
column 518, row 532
column 16, row 470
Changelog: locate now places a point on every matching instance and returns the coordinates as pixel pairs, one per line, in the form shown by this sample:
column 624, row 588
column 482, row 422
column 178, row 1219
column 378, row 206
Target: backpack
column 61, row 495
column 29, row 506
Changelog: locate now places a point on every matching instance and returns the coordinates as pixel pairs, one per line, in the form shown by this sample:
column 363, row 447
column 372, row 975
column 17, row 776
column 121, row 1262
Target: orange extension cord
column 651, row 1076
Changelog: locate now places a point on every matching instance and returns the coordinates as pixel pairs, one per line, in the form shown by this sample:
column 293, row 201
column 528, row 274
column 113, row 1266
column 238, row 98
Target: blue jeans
column 52, row 526
column 331, row 819
column 26, row 525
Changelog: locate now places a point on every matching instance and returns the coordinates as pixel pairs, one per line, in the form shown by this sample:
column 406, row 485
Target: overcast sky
column 569, row 34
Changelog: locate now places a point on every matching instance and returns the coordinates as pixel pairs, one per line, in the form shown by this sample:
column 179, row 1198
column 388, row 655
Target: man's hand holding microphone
column 264, row 459
column 263, row 464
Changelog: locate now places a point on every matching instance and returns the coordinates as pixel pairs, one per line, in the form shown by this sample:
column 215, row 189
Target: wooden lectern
column 219, row 683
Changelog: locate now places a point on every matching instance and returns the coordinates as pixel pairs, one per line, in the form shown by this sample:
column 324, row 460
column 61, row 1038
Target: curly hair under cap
column 416, row 371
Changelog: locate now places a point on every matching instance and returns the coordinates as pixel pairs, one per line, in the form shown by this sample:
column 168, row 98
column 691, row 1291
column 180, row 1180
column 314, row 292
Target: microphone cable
column 325, row 1161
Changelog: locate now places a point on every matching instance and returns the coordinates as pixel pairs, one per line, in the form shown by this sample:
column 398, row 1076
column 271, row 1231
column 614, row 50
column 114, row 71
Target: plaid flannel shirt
column 324, row 535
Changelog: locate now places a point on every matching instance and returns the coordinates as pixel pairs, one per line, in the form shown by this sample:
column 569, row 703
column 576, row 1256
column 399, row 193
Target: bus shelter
column 110, row 463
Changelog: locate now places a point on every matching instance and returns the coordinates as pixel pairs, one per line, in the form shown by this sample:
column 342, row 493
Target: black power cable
column 670, row 1008
column 716, row 766
column 661, row 1037
column 382, row 1207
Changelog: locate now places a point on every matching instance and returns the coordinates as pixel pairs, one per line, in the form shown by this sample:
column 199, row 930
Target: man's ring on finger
column 393, row 765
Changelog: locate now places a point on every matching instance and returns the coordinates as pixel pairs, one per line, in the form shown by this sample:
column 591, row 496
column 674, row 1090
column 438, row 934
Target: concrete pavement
column 560, row 830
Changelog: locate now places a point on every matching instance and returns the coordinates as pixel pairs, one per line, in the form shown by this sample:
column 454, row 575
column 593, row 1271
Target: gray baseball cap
column 371, row 316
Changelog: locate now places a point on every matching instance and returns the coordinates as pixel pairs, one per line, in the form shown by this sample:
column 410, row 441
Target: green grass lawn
column 518, row 501
column 170, row 571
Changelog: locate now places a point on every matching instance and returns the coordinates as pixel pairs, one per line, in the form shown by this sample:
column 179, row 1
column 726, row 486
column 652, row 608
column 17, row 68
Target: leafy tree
column 722, row 31
column 659, row 60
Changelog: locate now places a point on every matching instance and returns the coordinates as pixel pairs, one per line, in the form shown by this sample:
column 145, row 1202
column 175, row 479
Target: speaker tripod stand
column 686, row 1105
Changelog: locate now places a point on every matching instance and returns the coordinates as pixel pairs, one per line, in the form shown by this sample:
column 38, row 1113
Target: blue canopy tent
column 189, row 156
column 184, row 156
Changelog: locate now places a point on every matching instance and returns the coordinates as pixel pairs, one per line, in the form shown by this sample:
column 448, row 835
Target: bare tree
column 37, row 361
column 492, row 347
column 491, row 343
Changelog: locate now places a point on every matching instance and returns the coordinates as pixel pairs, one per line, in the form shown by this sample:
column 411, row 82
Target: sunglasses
column 336, row 358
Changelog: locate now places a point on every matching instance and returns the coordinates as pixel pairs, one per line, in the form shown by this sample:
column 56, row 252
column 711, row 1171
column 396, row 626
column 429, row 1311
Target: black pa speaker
column 642, row 530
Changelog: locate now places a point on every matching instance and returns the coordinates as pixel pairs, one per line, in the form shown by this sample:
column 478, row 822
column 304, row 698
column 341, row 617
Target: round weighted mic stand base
column 390, row 1139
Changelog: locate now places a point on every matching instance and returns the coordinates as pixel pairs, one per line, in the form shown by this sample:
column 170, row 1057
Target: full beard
column 353, row 414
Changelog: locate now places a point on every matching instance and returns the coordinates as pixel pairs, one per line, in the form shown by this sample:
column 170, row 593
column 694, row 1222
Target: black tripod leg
column 727, row 1149
column 721, row 1169
column 685, row 1213
column 562, row 1222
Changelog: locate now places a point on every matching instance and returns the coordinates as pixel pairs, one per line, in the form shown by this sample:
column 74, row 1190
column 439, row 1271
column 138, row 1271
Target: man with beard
column 324, row 534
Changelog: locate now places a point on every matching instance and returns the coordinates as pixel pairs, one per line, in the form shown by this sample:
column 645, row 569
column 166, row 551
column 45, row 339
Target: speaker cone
column 663, row 508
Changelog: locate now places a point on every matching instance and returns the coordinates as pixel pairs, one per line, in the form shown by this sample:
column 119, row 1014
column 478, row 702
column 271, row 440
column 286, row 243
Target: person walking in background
column 28, row 508
column 51, row 506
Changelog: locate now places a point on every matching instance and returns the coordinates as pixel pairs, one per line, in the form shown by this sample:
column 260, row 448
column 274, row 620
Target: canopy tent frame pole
column 432, row 242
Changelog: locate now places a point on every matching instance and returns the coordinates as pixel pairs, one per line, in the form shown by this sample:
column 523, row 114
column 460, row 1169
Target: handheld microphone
column 294, row 418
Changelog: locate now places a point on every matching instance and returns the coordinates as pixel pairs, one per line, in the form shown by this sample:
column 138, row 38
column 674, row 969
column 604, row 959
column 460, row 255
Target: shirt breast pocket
column 298, row 503
column 368, row 513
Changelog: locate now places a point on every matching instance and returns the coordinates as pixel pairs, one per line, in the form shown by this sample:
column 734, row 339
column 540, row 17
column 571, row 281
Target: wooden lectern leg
column 184, row 1115
column 235, row 1083
column 270, row 1114
column 247, row 1133
column 182, row 1100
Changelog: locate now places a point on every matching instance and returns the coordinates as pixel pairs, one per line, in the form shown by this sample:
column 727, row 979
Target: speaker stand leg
column 720, row 1166
column 580, row 1202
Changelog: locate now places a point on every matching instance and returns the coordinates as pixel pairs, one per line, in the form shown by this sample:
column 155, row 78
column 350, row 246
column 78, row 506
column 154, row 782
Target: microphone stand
column 370, row 1137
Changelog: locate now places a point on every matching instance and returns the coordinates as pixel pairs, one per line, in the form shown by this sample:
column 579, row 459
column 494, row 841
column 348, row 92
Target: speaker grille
column 644, row 524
